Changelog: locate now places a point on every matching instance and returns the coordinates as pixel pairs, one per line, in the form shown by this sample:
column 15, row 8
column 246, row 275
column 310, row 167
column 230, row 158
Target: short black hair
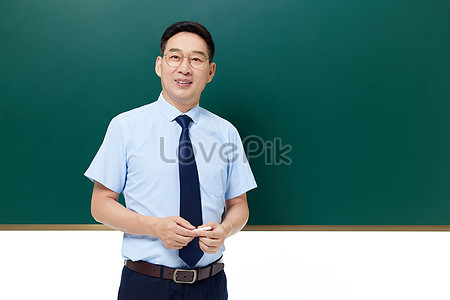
column 188, row 26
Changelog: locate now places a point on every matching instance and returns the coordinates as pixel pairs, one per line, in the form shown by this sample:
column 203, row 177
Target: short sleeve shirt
column 138, row 157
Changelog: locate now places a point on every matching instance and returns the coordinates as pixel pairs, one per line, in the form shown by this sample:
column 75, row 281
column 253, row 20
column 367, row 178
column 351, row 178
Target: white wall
column 259, row 265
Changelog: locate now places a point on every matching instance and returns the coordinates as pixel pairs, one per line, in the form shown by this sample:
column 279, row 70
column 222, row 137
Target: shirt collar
column 170, row 112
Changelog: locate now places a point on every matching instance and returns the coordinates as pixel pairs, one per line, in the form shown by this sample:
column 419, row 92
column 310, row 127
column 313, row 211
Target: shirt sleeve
column 240, row 177
column 109, row 166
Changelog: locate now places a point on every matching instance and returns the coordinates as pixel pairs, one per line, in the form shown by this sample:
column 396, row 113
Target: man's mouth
column 183, row 82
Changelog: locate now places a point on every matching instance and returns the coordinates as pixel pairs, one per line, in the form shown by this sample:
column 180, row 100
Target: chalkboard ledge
column 100, row 227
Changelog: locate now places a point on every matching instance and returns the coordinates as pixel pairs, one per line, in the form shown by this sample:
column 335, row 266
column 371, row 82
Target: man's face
column 183, row 85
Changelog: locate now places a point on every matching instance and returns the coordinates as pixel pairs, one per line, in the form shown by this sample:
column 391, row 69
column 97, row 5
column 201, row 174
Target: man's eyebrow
column 199, row 52
column 179, row 50
column 174, row 50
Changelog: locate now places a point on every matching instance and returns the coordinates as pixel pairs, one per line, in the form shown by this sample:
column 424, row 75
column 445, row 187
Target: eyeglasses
column 175, row 58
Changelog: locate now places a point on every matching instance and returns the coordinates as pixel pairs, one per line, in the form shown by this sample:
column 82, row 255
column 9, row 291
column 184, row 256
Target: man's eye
column 174, row 57
column 197, row 59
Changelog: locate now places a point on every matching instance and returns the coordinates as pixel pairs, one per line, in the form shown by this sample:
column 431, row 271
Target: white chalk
column 203, row 228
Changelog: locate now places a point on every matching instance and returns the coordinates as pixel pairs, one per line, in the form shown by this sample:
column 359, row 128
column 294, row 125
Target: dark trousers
column 136, row 286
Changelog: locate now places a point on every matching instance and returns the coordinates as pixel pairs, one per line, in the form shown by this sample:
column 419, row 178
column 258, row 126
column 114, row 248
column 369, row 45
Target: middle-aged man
column 148, row 155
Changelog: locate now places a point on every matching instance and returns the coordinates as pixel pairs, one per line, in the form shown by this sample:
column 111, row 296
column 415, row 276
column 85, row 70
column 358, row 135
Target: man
column 148, row 155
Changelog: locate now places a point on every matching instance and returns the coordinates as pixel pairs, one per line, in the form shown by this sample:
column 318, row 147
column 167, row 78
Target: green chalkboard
column 344, row 106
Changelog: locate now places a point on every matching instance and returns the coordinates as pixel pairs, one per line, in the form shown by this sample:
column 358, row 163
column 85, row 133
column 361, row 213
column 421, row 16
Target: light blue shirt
column 138, row 157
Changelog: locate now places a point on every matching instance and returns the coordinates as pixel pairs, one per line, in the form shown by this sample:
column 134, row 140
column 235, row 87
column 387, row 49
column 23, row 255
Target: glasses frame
column 182, row 59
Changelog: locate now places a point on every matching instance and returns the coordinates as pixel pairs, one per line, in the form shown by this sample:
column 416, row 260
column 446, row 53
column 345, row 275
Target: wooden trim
column 56, row 227
column 346, row 228
column 100, row 227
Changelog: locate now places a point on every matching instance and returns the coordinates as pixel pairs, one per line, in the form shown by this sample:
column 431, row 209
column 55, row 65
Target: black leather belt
column 177, row 275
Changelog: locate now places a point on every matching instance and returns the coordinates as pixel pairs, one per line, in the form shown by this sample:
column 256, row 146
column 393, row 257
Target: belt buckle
column 194, row 276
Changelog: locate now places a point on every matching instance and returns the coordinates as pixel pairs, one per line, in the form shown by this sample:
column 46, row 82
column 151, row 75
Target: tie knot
column 183, row 121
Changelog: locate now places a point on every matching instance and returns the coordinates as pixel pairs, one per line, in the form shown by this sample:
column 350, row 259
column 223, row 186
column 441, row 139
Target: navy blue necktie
column 190, row 202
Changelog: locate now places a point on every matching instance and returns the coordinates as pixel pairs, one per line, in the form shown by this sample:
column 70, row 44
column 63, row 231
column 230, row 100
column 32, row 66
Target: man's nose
column 185, row 66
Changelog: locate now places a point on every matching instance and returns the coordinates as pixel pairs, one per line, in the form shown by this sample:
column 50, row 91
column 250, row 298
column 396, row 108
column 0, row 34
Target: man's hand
column 211, row 240
column 175, row 232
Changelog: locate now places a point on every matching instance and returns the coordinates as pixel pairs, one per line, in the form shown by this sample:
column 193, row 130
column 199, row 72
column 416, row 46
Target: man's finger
column 184, row 228
column 208, row 242
column 184, row 223
column 203, row 246
column 175, row 245
column 209, row 234
column 211, row 224
column 184, row 232
column 207, row 249
column 183, row 240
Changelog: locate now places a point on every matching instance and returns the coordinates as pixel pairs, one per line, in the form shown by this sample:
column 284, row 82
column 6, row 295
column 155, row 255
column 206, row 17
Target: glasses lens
column 174, row 58
column 197, row 60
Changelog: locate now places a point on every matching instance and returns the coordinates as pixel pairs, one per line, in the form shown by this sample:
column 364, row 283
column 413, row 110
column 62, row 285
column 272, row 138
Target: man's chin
column 181, row 99
column 185, row 96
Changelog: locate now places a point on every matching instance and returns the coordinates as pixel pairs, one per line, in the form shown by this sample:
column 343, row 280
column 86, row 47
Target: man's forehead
column 181, row 50
column 187, row 42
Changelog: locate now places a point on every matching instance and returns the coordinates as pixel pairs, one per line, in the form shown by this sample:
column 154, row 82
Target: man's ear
column 158, row 66
column 212, row 71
